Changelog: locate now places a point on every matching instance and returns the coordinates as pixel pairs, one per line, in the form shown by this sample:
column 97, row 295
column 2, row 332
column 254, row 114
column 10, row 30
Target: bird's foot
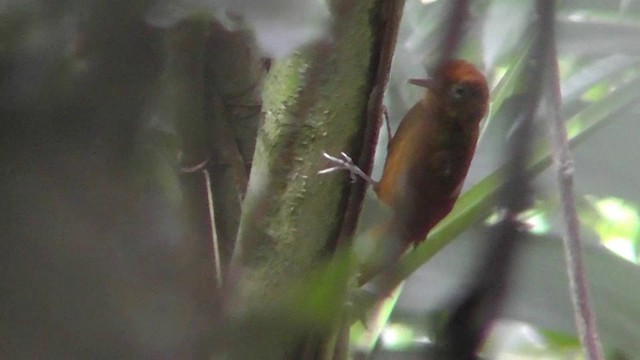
column 346, row 163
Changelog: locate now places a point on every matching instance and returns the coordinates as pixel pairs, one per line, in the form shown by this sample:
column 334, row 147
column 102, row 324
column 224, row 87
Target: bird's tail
column 379, row 249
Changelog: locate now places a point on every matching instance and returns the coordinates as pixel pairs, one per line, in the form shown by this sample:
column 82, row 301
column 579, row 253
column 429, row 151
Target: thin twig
column 387, row 125
column 214, row 234
column 583, row 313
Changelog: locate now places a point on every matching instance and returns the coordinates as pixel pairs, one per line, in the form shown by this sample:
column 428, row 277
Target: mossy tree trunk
column 325, row 97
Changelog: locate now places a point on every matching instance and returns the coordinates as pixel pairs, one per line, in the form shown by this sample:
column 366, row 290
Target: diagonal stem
column 583, row 312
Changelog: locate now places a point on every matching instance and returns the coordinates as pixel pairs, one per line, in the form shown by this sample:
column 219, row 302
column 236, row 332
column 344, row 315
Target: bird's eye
column 459, row 91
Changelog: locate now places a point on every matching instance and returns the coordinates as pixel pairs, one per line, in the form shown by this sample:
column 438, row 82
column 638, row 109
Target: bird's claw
column 346, row 163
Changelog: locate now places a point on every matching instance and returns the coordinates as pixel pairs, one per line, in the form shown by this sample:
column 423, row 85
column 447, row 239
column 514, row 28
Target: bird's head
column 460, row 89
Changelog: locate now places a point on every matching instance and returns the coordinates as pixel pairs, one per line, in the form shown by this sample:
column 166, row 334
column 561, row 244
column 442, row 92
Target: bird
column 429, row 155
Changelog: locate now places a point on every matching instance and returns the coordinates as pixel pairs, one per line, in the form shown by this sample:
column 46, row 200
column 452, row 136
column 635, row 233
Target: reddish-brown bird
column 430, row 153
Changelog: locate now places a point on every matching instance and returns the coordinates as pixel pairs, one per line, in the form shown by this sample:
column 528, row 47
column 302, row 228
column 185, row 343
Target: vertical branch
column 458, row 14
column 387, row 34
column 214, row 78
column 233, row 75
column 583, row 313
column 481, row 305
column 184, row 102
column 385, row 31
column 315, row 100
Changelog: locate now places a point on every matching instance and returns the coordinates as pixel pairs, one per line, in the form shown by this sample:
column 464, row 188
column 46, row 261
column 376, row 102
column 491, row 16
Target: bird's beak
column 428, row 83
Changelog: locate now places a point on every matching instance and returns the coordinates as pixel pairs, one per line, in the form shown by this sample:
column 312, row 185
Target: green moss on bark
column 314, row 101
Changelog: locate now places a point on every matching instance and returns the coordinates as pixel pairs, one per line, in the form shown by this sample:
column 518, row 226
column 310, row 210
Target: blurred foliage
column 280, row 26
column 617, row 223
